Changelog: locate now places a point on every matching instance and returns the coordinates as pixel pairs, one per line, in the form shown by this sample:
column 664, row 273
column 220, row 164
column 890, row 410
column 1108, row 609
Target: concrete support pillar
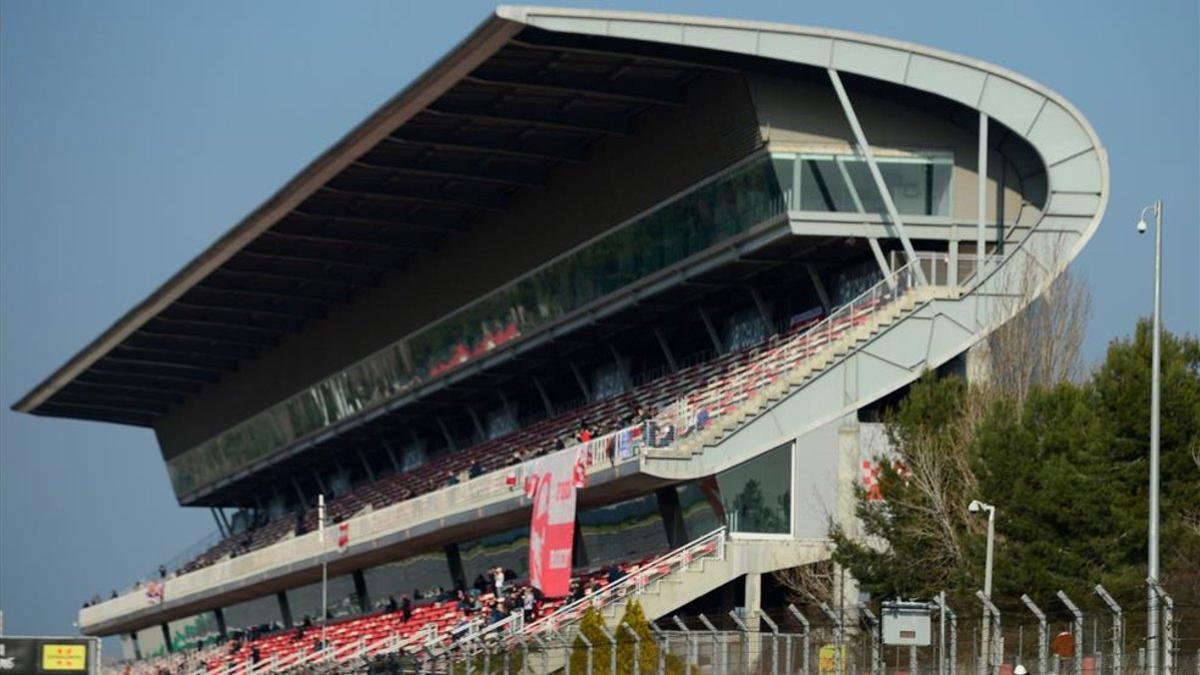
column 579, row 554
column 672, row 516
column 753, row 601
column 285, row 609
column 222, row 630
column 360, row 588
column 454, row 560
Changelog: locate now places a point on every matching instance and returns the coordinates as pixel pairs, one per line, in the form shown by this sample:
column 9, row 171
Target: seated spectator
column 392, row 607
column 584, row 434
column 451, row 478
column 474, row 470
column 405, row 608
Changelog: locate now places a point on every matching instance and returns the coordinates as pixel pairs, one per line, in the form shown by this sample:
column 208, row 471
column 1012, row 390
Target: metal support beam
column 446, row 433
column 764, row 312
column 625, row 376
column 712, row 330
column 579, row 379
column 220, row 526
column 392, row 456
column 884, row 193
column 822, row 294
column 454, row 560
column 166, row 634
column 541, row 390
column 476, row 422
column 876, row 249
column 981, row 169
column 666, row 349
column 362, row 457
column 299, row 492
column 219, row 615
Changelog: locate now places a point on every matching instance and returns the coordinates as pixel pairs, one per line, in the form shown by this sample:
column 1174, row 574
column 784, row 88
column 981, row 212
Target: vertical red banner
column 552, row 528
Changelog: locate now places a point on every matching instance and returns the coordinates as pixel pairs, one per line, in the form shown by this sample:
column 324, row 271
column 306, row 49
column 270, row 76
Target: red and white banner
column 552, row 484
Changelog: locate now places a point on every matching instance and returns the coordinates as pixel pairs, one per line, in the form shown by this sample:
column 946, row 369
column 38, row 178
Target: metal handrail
column 757, row 371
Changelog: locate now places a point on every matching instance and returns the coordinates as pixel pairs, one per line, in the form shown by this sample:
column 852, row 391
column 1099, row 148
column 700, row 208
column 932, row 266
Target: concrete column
column 360, row 587
column 672, row 516
column 285, row 609
column 454, row 559
column 753, row 601
column 219, row 615
column 579, row 554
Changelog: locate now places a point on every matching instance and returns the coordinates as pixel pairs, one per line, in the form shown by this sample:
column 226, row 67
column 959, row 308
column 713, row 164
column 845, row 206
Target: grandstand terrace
column 701, row 255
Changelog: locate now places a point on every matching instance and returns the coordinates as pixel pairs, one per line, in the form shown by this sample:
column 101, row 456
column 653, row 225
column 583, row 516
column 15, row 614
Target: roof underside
column 535, row 103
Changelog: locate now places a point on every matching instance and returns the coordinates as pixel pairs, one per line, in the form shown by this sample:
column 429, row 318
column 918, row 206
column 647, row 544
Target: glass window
column 251, row 613
column 305, row 601
column 405, row 577
column 698, row 513
column 150, row 642
column 193, row 631
column 690, row 224
column 627, row 529
column 757, row 495
column 509, row 550
column 919, row 184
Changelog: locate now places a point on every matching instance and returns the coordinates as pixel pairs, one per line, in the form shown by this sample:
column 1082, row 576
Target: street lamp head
column 1141, row 226
column 975, row 506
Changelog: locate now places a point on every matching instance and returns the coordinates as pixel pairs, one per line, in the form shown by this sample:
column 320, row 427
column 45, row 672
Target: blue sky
column 132, row 134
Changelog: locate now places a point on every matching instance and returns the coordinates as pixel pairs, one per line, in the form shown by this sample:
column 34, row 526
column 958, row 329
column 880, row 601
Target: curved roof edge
column 1055, row 128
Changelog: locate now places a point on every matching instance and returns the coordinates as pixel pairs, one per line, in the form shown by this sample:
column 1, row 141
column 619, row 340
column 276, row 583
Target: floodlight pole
column 1152, row 639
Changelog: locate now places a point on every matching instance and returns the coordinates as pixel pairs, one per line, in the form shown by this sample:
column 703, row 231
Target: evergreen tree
column 1066, row 468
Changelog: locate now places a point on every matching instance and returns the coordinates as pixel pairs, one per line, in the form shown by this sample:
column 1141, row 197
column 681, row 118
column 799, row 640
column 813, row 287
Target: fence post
column 939, row 603
column 637, row 648
column 1076, row 630
column 1043, row 634
column 1118, row 628
column 747, row 657
column 712, row 630
column 806, row 631
column 664, row 642
column 688, row 647
column 953, row 638
column 996, row 639
column 774, row 641
column 1168, row 628
column 587, row 644
column 839, row 636
column 612, row 656
column 873, row 629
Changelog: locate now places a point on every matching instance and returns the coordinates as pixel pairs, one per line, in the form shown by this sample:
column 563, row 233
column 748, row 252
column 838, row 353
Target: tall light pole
column 975, row 507
column 1152, row 543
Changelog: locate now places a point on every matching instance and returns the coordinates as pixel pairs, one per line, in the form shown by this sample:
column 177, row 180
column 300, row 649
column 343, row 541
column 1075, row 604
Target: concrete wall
column 670, row 150
column 802, row 115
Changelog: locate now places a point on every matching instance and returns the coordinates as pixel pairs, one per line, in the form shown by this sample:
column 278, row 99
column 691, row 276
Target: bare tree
column 1042, row 344
column 809, row 584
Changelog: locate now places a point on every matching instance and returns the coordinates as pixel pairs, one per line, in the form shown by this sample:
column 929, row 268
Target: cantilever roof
column 493, row 116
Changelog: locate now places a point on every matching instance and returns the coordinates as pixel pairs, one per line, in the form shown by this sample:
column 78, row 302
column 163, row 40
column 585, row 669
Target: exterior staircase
column 839, row 335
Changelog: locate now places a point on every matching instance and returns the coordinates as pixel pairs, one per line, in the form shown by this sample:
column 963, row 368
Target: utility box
column 906, row 623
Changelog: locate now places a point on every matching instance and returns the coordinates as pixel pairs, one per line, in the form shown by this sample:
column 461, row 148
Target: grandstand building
column 719, row 247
